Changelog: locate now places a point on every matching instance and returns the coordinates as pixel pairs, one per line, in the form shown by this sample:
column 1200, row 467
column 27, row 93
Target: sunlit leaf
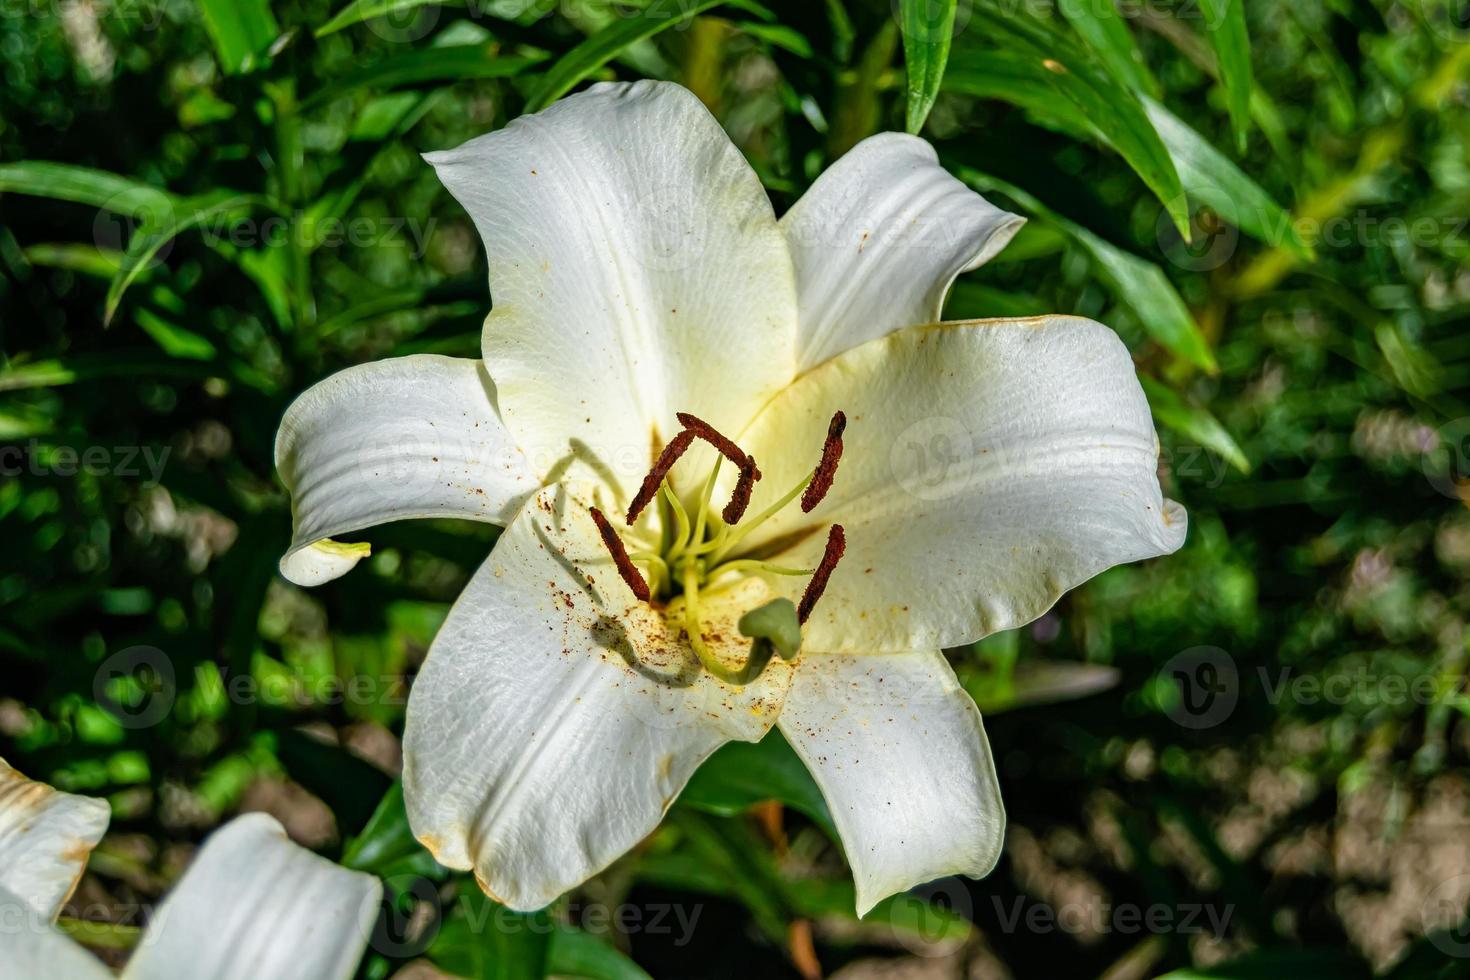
column 1225, row 28
column 433, row 64
column 1107, row 34
column 1039, row 66
column 1211, row 177
column 360, row 10
column 1193, row 422
column 498, row 945
column 242, row 31
column 159, row 229
column 575, row 953
column 602, row 47
column 742, row 774
column 928, row 27
column 1141, row 285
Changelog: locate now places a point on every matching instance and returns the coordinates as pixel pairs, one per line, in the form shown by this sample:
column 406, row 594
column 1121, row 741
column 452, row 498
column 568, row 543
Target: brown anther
column 655, row 477
column 749, row 471
column 740, row 496
column 714, row 437
column 620, row 558
column 836, row 545
column 827, row 468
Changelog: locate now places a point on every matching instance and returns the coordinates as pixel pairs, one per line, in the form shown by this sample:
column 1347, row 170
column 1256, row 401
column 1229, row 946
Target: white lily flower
column 252, row 904
column 638, row 272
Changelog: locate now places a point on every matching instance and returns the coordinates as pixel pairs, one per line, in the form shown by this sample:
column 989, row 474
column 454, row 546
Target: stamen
column 740, row 497
column 655, row 477
column 620, row 558
column 827, row 468
column 749, row 471
column 681, row 537
column 836, row 546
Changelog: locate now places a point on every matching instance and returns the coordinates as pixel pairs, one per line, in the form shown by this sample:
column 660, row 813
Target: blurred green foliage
column 206, row 207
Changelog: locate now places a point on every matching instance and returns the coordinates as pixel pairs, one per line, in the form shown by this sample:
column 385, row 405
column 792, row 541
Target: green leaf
column 242, row 31
column 86, row 367
column 89, row 260
column 498, row 945
column 360, row 10
column 608, row 43
column 174, row 340
column 352, row 787
column 1211, row 177
column 1225, row 27
column 1041, row 70
column 742, row 774
column 1107, row 34
column 1037, row 683
column 1140, row 284
column 433, row 64
column 161, row 227
column 575, row 953
column 928, row 28
column 1193, row 422
column 387, row 845
column 84, row 185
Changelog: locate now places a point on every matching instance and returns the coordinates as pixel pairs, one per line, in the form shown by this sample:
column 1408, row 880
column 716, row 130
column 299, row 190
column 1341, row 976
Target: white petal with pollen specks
column 988, row 468
column 557, row 717
column 879, row 238
column 253, row 904
column 897, row 747
column 45, row 837
column 407, row 437
column 636, row 271
column 32, row 948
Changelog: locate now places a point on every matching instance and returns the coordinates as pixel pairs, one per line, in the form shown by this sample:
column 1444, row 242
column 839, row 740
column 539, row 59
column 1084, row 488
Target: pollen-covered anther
column 620, row 558
column 817, row 584
column 749, row 471
column 740, row 497
column 827, row 468
column 655, row 477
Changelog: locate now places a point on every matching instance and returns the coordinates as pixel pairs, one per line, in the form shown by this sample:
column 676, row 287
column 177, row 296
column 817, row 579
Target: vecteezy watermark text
column 40, row 459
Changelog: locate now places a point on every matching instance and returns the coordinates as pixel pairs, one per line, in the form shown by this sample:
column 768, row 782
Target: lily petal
column 405, row 437
column 254, row 904
column 30, row 946
column 879, row 239
column 989, row 467
column 636, row 269
column 45, row 837
column 557, row 717
column 899, row 751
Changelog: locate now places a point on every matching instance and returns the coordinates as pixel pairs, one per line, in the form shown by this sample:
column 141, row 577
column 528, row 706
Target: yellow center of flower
column 699, row 554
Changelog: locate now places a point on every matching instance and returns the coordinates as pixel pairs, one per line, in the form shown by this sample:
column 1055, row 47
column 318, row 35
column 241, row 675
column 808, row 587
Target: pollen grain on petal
column 836, row 546
column 620, row 558
column 826, row 469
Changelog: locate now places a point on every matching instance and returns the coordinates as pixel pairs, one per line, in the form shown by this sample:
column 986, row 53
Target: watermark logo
column 924, row 920
column 1443, row 916
column 1213, row 238
column 1200, row 686
column 136, row 686
column 934, row 458
column 1446, row 459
